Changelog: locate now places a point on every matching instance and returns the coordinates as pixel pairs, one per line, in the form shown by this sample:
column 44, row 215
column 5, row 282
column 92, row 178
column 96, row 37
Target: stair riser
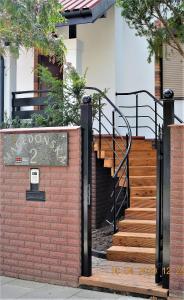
column 143, row 203
column 137, row 172
column 142, row 181
column 134, row 162
column 143, row 193
column 136, row 147
column 133, row 154
column 137, row 228
column 145, row 171
column 131, row 257
column 140, row 215
column 133, row 241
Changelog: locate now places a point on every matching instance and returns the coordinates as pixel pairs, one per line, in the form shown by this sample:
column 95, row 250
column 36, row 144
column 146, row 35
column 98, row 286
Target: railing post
column 128, row 176
column 168, row 116
column 159, row 209
column 137, row 114
column 86, row 126
column 100, row 127
column 156, row 121
column 114, row 168
column 13, row 105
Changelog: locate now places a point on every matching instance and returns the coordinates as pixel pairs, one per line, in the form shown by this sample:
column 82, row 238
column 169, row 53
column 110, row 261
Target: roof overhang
column 83, row 14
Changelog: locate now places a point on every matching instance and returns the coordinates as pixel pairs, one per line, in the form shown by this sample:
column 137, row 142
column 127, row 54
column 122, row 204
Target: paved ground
column 11, row 288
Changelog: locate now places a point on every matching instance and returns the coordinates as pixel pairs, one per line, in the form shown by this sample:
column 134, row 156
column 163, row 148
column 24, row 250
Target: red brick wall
column 177, row 212
column 42, row 240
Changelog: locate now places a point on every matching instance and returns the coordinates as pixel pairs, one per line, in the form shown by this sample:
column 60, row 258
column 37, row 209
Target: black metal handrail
column 136, row 93
column 122, row 169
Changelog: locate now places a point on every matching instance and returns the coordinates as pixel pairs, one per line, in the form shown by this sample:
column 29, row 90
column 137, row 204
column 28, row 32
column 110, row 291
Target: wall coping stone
column 177, row 125
column 39, row 129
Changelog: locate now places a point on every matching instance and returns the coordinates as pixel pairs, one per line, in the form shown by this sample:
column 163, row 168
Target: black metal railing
column 105, row 125
column 154, row 112
column 25, row 103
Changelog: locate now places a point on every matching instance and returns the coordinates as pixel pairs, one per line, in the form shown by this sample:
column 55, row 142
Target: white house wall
column 25, row 70
column 115, row 59
column 96, row 54
column 133, row 72
column 9, row 82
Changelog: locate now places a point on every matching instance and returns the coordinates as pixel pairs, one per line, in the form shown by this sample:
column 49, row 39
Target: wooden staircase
column 135, row 240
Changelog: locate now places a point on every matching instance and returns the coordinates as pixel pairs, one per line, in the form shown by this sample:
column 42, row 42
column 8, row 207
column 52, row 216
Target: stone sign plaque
column 36, row 149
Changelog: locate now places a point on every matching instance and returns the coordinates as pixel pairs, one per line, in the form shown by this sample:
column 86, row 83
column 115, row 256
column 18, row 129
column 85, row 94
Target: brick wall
column 177, row 212
column 41, row 241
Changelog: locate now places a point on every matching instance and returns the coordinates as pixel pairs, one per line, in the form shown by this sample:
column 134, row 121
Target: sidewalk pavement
column 11, row 288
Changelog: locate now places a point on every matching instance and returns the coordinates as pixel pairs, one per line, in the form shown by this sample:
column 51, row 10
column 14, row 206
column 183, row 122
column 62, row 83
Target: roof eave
column 84, row 16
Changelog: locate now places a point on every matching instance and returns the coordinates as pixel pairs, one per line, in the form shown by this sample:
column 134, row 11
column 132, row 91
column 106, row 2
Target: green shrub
column 62, row 107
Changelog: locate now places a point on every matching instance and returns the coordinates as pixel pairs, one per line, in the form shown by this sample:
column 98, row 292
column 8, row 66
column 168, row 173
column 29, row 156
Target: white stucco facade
column 10, row 78
column 115, row 59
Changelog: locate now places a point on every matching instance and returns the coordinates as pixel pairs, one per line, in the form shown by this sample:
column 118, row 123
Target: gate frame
column 86, row 127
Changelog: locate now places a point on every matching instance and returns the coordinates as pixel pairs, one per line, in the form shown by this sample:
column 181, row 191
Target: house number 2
column 34, row 153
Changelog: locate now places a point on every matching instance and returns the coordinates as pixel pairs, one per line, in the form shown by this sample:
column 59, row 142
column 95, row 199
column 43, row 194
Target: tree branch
column 171, row 34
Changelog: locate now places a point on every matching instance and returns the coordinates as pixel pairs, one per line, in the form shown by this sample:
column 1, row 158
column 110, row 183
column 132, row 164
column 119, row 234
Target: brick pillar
column 177, row 212
column 41, row 241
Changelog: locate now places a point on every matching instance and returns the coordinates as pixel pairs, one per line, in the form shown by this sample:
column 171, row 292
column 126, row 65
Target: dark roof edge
column 83, row 16
column 77, row 13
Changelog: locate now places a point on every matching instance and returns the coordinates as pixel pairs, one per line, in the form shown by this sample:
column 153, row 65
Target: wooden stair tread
column 144, row 187
column 132, row 249
column 133, row 254
column 144, row 167
column 142, row 176
column 134, row 239
column 136, row 234
column 145, row 222
column 133, row 153
column 141, row 209
column 143, row 198
column 124, row 283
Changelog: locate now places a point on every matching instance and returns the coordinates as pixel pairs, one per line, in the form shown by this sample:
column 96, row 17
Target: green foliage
column 14, row 123
column 64, row 99
column 161, row 22
column 62, row 107
column 31, row 24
